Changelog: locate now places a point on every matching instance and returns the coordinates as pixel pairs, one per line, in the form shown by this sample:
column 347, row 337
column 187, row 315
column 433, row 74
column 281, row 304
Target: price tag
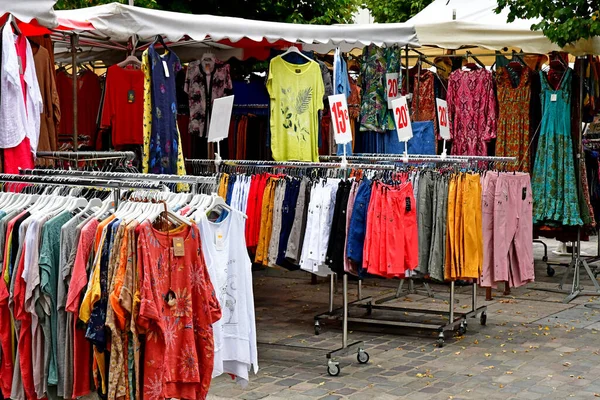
column 220, row 119
column 402, row 119
column 442, row 114
column 341, row 120
column 553, row 97
column 391, row 88
column 166, row 68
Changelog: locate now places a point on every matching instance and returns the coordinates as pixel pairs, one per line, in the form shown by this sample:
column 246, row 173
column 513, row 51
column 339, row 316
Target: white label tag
column 219, row 240
column 166, row 68
column 553, row 97
column 402, row 119
column 442, row 114
column 391, row 88
column 341, row 120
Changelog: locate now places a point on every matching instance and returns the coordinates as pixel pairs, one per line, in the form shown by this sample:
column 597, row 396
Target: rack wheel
column 545, row 258
column 362, row 357
column 369, row 309
column 462, row 329
column 317, row 328
column 333, row 369
column 550, row 271
column 441, row 340
column 483, row 318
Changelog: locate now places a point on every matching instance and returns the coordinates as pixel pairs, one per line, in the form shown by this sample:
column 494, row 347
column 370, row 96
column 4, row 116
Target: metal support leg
column 399, row 290
column 345, row 315
column 331, row 290
column 474, row 300
column 451, row 302
column 359, row 289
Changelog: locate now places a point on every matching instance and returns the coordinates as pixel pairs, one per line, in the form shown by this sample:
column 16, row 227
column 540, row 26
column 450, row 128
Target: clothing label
column 408, row 204
column 442, row 114
column 298, row 71
column 20, row 65
column 341, row 120
column 524, row 193
column 553, row 97
column 219, row 240
column 131, row 96
column 166, row 68
column 402, row 119
column 178, row 249
column 391, row 88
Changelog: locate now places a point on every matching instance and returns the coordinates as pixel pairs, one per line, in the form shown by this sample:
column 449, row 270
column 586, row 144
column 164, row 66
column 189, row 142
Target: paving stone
column 253, row 396
column 288, row 382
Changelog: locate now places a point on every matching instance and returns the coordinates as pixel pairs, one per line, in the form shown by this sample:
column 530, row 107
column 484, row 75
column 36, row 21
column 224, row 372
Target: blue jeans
column 358, row 222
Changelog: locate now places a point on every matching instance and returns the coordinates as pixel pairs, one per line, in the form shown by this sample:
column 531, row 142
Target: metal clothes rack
column 195, row 181
column 116, row 185
column 455, row 319
column 346, row 349
column 127, row 156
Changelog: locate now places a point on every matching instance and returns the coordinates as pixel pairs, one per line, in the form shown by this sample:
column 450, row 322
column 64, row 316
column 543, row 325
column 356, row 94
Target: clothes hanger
column 131, row 60
column 294, row 49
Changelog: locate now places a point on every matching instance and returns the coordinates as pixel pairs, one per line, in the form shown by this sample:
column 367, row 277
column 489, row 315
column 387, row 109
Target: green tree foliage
column 562, row 21
column 395, row 10
column 297, row 11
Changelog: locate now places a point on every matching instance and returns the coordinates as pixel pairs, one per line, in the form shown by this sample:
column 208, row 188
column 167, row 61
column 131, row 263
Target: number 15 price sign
column 341, row 120
column 402, row 119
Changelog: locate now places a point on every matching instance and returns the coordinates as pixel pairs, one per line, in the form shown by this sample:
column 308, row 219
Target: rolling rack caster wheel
column 369, row 309
column 362, row 356
column 317, row 328
column 545, row 259
column 462, row 329
column 550, row 271
column 333, row 368
column 483, row 318
column 441, row 340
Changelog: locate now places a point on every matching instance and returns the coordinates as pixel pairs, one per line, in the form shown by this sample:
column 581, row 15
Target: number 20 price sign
column 442, row 113
column 341, row 120
column 402, row 119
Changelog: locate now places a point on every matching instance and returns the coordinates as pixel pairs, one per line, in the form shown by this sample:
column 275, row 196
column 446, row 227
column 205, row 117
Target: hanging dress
column 554, row 185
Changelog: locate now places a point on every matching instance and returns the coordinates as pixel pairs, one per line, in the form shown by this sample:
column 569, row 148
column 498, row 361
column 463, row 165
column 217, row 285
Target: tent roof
column 28, row 10
column 119, row 22
column 476, row 24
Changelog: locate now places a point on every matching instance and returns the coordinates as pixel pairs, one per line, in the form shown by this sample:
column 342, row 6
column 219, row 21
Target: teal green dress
column 554, row 185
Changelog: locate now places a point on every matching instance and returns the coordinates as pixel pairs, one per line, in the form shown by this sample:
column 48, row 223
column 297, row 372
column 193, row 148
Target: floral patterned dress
column 514, row 98
column 471, row 111
column 376, row 62
column 555, row 199
column 179, row 347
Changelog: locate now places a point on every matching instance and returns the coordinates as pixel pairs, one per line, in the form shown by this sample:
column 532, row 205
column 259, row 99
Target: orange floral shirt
column 179, row 348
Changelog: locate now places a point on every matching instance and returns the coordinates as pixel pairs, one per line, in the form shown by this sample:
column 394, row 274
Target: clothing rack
column 116, row 185
column 196, row 181
column 412, row 158
column 128, row 156
column 287, row 164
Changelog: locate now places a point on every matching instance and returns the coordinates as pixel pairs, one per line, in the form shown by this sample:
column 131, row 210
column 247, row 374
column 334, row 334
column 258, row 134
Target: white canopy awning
column 452, row 24
column 120, row 22
column 28, row 10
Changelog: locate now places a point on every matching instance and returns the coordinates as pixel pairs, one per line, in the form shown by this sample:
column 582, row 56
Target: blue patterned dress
column 554, row 185
column 164, row 140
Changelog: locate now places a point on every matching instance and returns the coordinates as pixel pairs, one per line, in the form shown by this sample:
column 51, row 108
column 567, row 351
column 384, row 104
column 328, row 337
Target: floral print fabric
column 514, row 97
column 376, row 62
column 472, row 111
column 202, row 93
column 423, row 100
column 555, row 199
column 179, row 337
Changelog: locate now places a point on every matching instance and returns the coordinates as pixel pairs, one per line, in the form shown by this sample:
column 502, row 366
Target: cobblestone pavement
column 533, row 346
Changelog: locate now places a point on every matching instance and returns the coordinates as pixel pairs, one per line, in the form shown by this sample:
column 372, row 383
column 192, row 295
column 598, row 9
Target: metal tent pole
column 74, row 40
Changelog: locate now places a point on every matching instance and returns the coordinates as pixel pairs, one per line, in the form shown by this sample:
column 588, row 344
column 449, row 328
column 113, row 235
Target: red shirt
column 179, row 349
column 124, row 105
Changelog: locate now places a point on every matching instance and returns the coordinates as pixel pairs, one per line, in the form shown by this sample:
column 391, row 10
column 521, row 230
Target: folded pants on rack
column 513, row 230
column 277, row 216
column 266, row 222
column 437, row 251
column 487, row 223
column 287, row 220
column 401, row 235
column 358, row 223
column 425, row 219
column 472, row 254
column 296, row 240
column 335, row 249
column 350, row 266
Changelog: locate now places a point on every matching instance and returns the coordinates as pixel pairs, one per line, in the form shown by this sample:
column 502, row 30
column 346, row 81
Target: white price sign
column 442, row 114
column 341, row 120
column 402, row 119
column 391, row 88
column 220, row 119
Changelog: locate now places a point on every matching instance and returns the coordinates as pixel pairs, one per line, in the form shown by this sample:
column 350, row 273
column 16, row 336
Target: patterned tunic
column 472, row 111
column 179, row 337
column 514, row 97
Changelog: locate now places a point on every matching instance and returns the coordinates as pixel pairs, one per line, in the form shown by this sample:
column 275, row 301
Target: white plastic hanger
column 294, row 49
